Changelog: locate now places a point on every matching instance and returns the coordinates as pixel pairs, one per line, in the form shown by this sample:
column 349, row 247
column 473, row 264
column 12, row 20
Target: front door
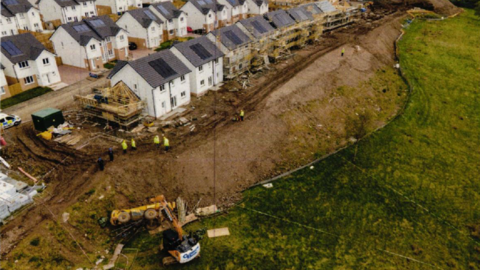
column 210, row 81
column 174, row 102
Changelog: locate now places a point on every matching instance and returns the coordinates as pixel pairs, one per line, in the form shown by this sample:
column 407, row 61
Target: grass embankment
column 24, row 96
column 410, row 189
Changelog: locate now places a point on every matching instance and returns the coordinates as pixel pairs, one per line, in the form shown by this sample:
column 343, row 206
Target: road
column 57, row 99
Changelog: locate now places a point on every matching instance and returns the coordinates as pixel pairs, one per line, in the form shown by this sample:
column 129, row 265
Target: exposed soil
column 294, row 111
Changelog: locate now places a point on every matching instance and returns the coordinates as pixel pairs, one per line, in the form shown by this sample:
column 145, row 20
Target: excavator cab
column 183, row 250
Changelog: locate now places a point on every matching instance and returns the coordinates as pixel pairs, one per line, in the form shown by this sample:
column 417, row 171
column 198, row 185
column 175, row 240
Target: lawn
column 404, row 198
column 24, row 96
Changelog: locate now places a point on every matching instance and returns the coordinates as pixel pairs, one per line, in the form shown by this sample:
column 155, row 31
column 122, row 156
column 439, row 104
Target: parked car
column 7, row 121
column 189, row 30
column 132, row 46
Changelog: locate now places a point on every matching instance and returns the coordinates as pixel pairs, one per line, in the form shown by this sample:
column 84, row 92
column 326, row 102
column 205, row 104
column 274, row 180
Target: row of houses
column 165, row 80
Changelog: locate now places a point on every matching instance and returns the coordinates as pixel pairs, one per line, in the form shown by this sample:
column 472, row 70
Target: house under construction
column 116, row 104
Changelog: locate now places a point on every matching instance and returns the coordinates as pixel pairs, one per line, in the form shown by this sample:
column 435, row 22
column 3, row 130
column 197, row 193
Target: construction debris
column 218, row 232
column 114, row 258
column 206, row 211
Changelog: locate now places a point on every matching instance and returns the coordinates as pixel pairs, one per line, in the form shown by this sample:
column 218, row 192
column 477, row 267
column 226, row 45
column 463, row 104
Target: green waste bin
column 46, row 118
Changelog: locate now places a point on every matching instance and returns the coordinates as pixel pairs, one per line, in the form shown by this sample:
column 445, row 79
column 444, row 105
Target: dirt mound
column 443, row 7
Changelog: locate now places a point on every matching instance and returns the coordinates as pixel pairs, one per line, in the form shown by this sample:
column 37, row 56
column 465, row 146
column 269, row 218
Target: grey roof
column 257, row 26
column 196, row 60
column 234, row 3
column 326, row 6
column 312, row 8
column 224, row 34
column 29, row 46
column 260, row 2
column 206, row 5
column 14, row 7
column 140, row 16
column 146, row 71
column 109, row 29
column 300, row 14
column 167, row 9
column 279, row 18
column 67, row 3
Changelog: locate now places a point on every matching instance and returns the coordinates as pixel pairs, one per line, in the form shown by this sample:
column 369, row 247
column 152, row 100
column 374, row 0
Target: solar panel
column 232, row 2
column 302, row 15
column 81, row 28
column 10, row 2
column 150, row 15
column 233, row 37
column 162, row 68
column 97, row 23
column 200, row 51
column 11, row 48
column 209, row 1
column 200, row 2
column 259, row 27
column 163, row 10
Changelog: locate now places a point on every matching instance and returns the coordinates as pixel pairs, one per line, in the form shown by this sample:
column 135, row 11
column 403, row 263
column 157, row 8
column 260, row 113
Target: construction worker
column 156, row 141
column 343, row 51
column 166, row 143
column 134, row 145
column 124, row 146
column 101, row 163
column 110, row 153
column 242, row 114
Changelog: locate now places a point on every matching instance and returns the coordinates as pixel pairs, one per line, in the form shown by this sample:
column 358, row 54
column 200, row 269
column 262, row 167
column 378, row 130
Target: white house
column 120, row 6
column 90, row 43
column 204, row 59
column 174, row 20
column 201, row 15
column 236, row 10
column 67, row 10
column 237, row 47
column 257, row 7
column 28, row 62
column 160, row 79
column 144, row 27
column 4, row 93
column 19, row 14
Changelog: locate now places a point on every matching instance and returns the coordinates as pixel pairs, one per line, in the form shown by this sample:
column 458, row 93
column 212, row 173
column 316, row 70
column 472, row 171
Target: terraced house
column 204, row 59
column 144, row 28
column 257, row 7
column 19, row 14
column 205, row 15
column 174, row 20
column 119, row 6
column 263, row 36
column 236, row 46
column 27, row 64
column 90, row 43
column 160, row 79
column 65, row 11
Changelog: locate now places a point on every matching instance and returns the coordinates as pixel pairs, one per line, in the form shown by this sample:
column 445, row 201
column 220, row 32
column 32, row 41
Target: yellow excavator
column 183, row 248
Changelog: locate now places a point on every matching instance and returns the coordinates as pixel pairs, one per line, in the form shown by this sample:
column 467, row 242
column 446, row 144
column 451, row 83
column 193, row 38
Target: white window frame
column 162, row 87
column 200, row 68
column 28, row 78
column 92, row 47
column 2, row 90
column 183, row 94
column 202, row 83
column 46, row 61
column 182, row 78
column 23, row 64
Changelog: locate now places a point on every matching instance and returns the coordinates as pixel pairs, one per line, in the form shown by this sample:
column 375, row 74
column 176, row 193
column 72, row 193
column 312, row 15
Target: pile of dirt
column 442, row 7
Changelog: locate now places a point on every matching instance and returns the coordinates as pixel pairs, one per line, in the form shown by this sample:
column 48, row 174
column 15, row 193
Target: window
column 163, row 104
column 139, row 5
column 153, row 28
column 183, row 94
column 33, row 14
column 171, row 32
column 86, row 14
column 200, row 68
column 4, row 33
column 121, row 37
column 182, row 78
column 21, row 15
column 2, row 90
column 173, row 82
column 91, row 12
column 9, row 20
column 29, row 80
column 73, row 7
column 209, row 15
column 108, row 39
column 162, row 87
column 135, row 86
column 69, row 18
column 92, row 47
column 84, row 4
column 23, row 64
column 110, row 52
column 216, row 61
column 120, row 8
column 170, row 21
column 202, row 82
column 181, row 19
column 45, row 61
column 35, row 24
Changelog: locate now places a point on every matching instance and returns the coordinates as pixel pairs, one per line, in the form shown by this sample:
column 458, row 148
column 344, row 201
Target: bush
column 108, row 65
column 24, row 96
column 35, row 242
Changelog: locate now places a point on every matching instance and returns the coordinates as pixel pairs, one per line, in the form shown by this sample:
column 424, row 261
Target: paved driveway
column 139, row 53
column 71, row 75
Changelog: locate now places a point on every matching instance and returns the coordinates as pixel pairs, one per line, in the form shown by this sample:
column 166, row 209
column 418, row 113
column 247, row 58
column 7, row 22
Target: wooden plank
column 112, row 261
column 218, row 232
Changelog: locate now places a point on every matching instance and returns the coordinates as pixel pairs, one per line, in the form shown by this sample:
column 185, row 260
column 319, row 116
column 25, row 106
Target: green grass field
column 410, row 190
column 24, row 96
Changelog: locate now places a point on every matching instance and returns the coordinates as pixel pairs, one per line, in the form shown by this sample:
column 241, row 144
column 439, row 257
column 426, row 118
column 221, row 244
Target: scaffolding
column 116, row 104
